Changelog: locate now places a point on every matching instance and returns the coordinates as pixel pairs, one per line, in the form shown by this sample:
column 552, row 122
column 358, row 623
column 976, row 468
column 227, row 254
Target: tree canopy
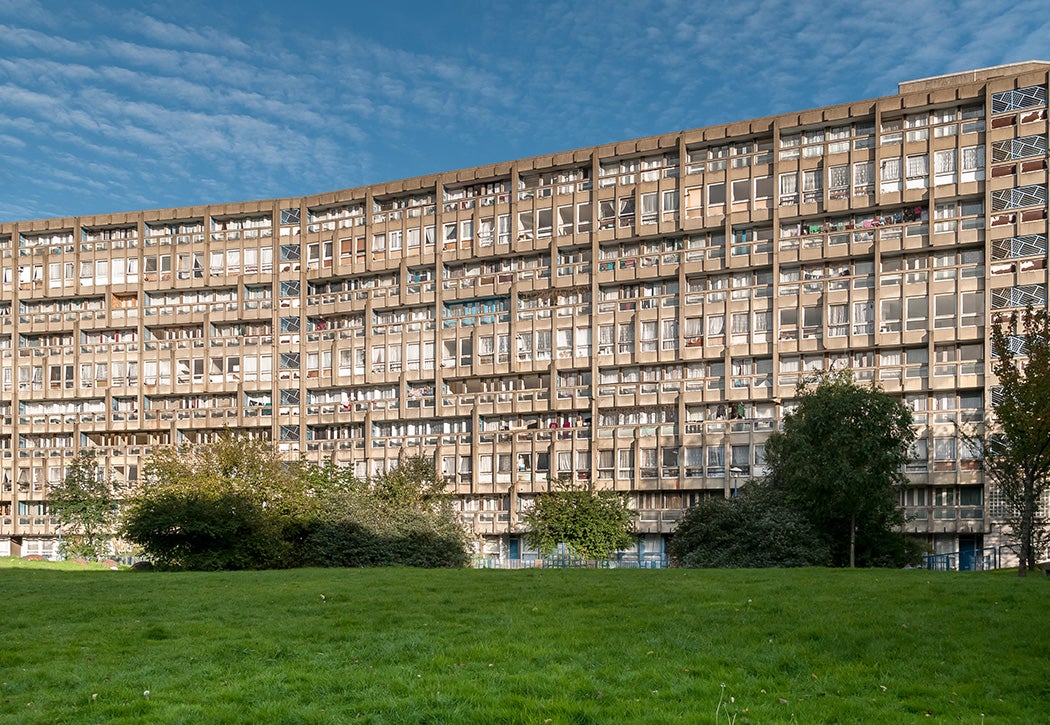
column 591, row 523
column 401, row 516
column 1016, row 449
column 237, row 504
column 231, row 504
column 839, row 459
column 752, row 529
column 85, row 504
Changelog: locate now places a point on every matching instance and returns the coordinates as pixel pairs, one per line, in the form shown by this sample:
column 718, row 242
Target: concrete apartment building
column 634, row 315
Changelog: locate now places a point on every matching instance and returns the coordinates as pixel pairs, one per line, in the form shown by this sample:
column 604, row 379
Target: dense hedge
column 236, row 505
column 751, row 530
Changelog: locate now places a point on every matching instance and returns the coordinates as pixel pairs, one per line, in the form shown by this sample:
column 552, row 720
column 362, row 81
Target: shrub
column 591, row 523
column 361, row 529
column 235, row 504
column 753, row 529
column 203, row 530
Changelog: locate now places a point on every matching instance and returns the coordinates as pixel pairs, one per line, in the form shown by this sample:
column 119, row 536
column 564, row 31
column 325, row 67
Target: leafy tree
column 400, row 517
column 86, row 507
column 591, row 523
column 753, row 529
column 232, row 504
column 201, row 530
column 413, row 483
column 839, row 460
column 236, row 504
column 1016, row 452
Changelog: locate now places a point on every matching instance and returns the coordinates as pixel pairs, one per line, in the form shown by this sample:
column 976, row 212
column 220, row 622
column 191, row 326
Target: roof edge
column 972, row 76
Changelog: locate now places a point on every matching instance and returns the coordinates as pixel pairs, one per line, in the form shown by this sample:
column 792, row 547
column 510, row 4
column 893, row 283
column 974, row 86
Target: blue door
column 514, row 546
column 967, row 553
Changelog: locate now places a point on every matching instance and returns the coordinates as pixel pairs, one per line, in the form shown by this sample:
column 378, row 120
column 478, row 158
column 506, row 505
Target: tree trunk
column 852, row 541
column 1027, row 528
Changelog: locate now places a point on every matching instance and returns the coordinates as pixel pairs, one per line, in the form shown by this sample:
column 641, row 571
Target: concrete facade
column 636, row 314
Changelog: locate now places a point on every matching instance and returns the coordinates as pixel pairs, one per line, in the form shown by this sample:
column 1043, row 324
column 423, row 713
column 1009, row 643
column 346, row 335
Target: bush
column 362, row 530
column 591, row 523
column 751, row 530
column 204, row 530
column 235, row 504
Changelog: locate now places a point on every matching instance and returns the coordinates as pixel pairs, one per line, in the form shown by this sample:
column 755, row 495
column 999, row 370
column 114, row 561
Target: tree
column 201, row 530
column 753, row 529
column 592, row 523
column 86, row 507
column 236, row 504
column 1016, row 450
column 232, row 504
column 839, row 460
column 399, row 517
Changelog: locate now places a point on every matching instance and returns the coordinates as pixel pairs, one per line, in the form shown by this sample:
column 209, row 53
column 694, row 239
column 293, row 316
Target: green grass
column 531, row 646
column 10, row 562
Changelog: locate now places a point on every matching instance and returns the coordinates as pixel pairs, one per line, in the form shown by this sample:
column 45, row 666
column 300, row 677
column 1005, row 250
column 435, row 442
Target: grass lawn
column 531, row 646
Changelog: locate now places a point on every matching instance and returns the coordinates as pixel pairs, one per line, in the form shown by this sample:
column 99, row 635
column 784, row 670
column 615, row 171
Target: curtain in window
column 891, row 169
column 863, row 173
column 944, row 162
column 716, row 325
column 838, row 177
column 918, row 165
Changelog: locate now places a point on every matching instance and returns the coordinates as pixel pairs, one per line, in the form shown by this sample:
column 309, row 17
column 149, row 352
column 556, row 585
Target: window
column 739, row 326
column 811, row 186
column 650, row 213
column 716, row 194
column 917, row 313
column 764, row 187
column 811, row 321
column 789, row 188
column 863, row 318
column 669, row 334
column 891, row 174
column 741, row 190
column 972, row 304
column 863, row 177
column 647, row 336
column 716, row 461
column 763, row 323
column 918, row 454
column 838, row 320
column 625, row 463
column 838, row 181
column 918, row 168
column 544, row 224
column 694, row 201
column 971, row 163
column 716, row 325
column 625, row 337
column 789, row 323
column 944, row 167
column 891, row 131
column 670, row 205
column 944, row 454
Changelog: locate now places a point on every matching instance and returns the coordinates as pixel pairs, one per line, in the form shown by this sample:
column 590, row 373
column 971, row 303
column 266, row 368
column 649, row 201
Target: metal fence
column 568, row 561
column 968, row 560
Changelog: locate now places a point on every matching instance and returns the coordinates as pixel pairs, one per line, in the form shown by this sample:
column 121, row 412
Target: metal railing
column 968, row 560
column 560, row 560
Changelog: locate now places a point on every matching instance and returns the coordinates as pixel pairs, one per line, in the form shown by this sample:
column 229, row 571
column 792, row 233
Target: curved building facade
column 635, row 315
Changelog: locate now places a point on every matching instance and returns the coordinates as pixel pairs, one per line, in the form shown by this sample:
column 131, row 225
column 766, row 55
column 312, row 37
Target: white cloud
column 173, row 103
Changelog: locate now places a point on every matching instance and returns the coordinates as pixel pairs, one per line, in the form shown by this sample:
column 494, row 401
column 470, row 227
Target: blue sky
column 116, row 106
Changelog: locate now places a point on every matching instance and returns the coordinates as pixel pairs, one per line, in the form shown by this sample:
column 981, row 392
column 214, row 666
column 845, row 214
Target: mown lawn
column 531, row 646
